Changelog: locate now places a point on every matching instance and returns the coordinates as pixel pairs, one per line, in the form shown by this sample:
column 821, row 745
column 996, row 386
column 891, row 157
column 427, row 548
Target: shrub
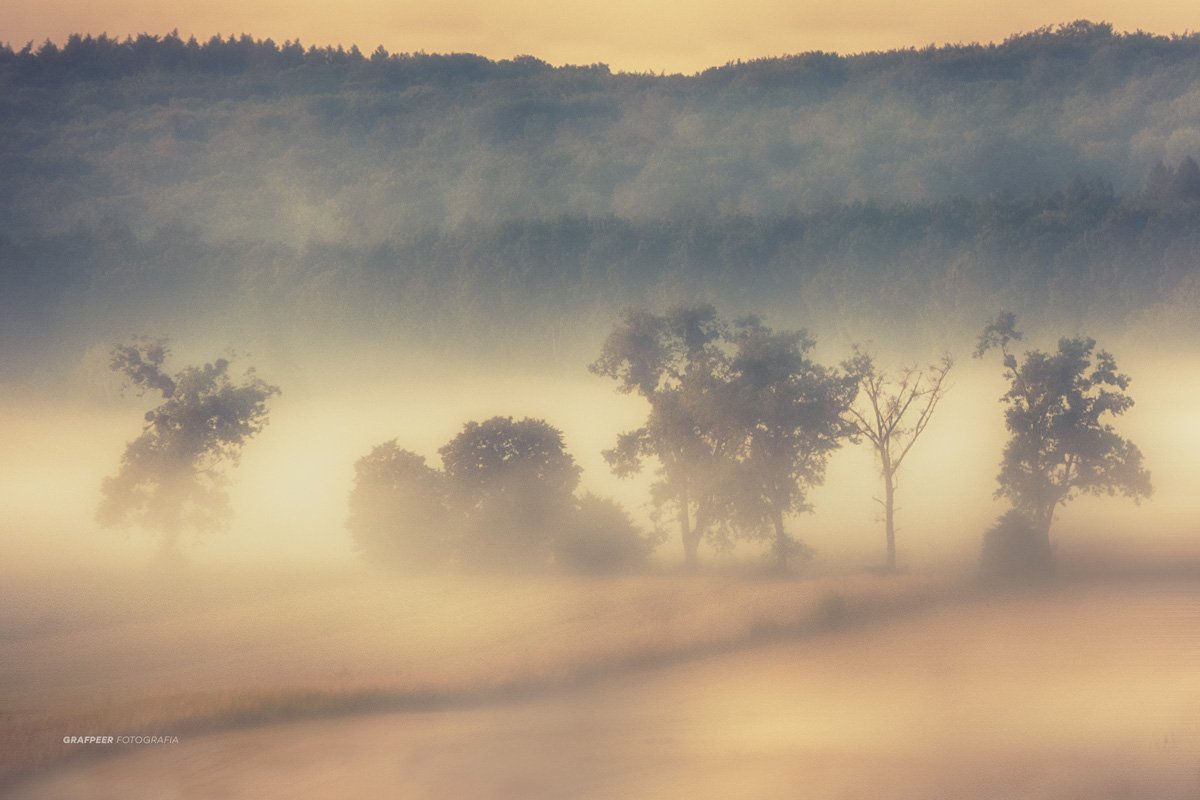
column 600, row 537
column 398, row 513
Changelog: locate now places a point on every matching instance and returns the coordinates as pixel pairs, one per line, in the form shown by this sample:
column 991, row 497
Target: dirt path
column 1090, row 693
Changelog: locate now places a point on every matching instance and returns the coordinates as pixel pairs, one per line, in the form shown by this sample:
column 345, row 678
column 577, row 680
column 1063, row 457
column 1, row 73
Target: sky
column 672, row 36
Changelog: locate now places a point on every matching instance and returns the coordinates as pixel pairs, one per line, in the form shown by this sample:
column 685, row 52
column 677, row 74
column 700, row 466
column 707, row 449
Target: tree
column 514, row 482
column 741, row 421
column 398, row 511
column 172, row 476
column 675, row 362
column 892, row 415
column 1061, row 442
column 790, row 417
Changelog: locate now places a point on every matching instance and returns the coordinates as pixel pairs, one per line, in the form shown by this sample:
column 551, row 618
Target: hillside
column 436, row 197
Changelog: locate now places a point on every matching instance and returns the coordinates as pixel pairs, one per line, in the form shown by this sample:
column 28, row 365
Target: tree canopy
column 513, row 481
column 502, row 455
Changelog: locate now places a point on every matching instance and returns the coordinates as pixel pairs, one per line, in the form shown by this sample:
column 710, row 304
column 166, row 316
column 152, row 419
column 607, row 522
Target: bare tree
column 891, row 415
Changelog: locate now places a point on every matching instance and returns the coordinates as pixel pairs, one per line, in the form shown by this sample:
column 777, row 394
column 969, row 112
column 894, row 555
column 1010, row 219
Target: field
column 544, row 686
column 202, row 650
column 656, row 686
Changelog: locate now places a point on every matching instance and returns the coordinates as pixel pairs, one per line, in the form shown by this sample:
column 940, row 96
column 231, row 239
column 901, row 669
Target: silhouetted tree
column 514, row 482
column 675, row 362
column 891, row 416
column 171, row 477
column 790, row 416
column 1061, row 443
column 398, row 510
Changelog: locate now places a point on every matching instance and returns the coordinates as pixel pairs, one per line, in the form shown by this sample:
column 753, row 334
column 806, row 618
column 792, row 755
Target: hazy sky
column 673, row 35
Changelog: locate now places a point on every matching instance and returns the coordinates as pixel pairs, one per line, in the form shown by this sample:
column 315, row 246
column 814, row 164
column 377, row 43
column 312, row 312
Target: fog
column 408, row 244
column 290, row 490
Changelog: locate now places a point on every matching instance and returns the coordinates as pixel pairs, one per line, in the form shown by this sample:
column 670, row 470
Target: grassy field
column 1084, row 691
column 204, row 650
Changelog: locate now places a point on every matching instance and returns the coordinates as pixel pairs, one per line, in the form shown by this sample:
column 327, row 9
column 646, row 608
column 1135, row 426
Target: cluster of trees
column 504, row 499
column 741, row 424
column 1078, row 50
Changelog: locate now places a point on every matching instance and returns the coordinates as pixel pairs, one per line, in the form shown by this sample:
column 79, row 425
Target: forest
column 437, row 197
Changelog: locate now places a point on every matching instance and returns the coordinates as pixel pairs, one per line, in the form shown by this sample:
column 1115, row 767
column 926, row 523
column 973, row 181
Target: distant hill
column 1050, row 170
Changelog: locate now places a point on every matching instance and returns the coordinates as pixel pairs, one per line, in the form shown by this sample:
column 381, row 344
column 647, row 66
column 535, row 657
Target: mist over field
column 290, row 490
column 411, row 250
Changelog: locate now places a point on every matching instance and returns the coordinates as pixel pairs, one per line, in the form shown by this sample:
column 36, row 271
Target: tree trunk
column 781, row 541
column 889, row 515
column 167, row 515
column 691, row 541
column 1044, row 523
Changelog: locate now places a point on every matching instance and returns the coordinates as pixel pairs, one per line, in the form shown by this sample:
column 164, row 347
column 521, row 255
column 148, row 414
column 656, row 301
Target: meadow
column 647, row 686
column 206, row 648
